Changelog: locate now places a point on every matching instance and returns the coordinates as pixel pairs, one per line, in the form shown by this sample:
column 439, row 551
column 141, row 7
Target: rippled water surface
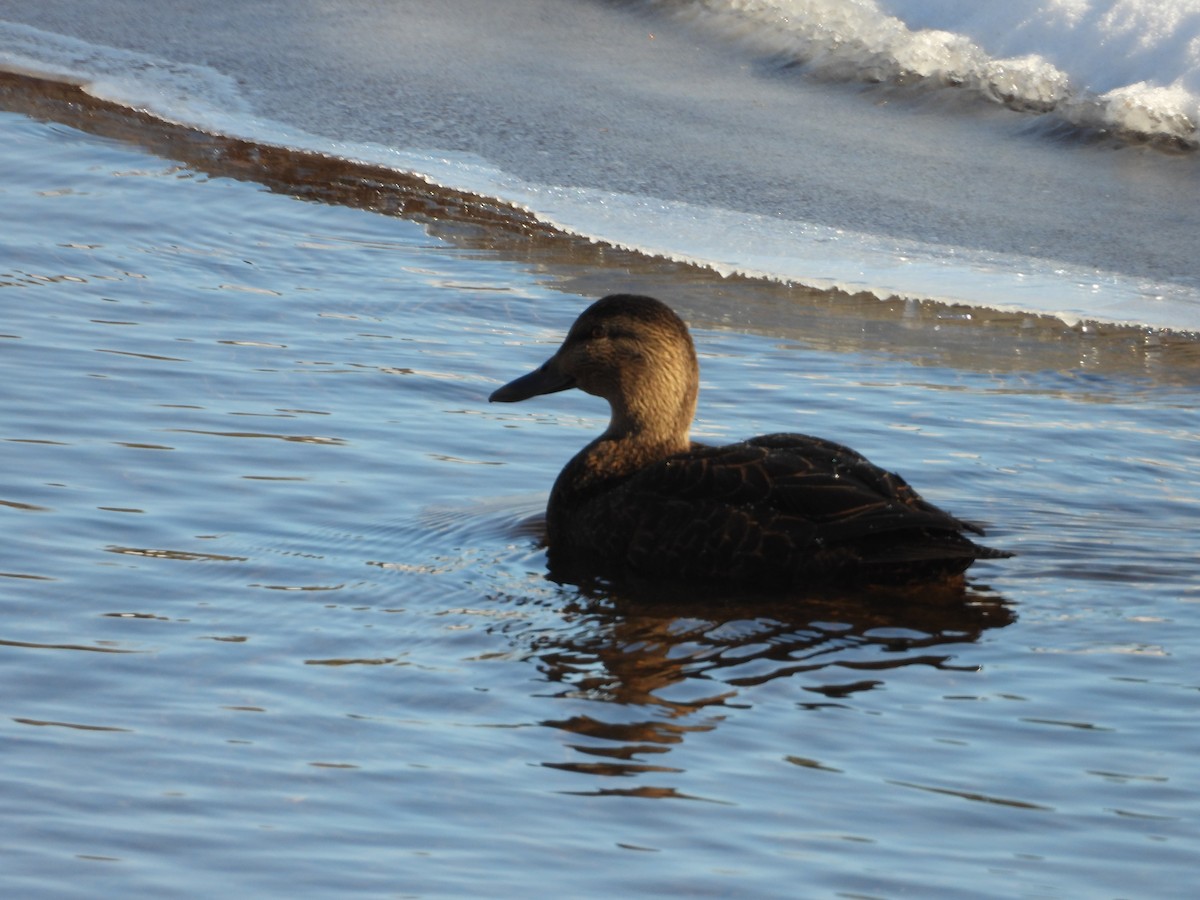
column 275, row 621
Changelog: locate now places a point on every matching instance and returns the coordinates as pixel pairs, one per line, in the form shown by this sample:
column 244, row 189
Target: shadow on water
column 657, row 667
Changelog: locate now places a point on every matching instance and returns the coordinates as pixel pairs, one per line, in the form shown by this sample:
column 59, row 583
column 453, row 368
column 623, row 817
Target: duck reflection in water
column 784, row 511
column 641, row 679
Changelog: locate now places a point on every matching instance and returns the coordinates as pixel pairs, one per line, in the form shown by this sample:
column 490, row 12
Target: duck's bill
column 544, row 380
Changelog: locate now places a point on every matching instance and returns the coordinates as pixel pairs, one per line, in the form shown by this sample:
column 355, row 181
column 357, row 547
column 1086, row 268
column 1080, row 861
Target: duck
column 780, row 511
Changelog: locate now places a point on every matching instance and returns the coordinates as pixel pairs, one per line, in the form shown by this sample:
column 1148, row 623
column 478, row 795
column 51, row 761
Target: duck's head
column 635, row 353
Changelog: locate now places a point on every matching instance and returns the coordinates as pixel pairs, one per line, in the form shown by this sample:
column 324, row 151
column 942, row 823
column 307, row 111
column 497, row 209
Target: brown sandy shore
column 971, row 338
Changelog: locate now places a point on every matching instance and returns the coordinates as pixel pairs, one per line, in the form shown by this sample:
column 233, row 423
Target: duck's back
column 779, row 510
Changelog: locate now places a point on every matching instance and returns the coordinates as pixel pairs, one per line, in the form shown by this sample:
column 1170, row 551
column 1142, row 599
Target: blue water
column 275, row 618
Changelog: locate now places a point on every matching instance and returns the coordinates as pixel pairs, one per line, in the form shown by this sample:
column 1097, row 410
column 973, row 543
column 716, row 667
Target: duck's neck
column 638, row 435
column 649, row 427
column 653, row 433
column 653, row 413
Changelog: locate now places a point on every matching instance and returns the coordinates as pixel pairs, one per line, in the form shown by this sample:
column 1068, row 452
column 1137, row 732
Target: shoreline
column 764, row 172
column 966, row 336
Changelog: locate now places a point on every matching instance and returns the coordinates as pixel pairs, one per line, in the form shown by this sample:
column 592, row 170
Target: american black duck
column 783, row 511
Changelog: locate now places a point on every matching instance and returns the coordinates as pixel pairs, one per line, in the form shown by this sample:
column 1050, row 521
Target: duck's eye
column 608, row 332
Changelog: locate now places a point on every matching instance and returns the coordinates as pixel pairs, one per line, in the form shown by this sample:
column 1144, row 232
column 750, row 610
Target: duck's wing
column 853, row 489
column 779, row 505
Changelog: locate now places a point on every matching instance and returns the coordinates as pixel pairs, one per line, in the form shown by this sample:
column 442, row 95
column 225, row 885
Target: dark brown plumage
column 784, row 510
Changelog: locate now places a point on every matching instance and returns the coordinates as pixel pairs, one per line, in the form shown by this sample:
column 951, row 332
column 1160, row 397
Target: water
column 275, row 619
